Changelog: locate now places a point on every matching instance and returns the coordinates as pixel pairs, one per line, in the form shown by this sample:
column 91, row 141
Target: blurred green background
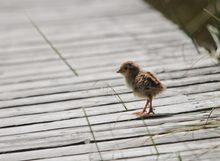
column 193, row 16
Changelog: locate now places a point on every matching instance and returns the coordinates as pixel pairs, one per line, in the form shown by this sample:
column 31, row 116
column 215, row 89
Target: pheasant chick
column 144, row 84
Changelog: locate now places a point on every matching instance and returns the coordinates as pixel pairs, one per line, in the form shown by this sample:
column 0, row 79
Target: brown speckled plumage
column 144, row 84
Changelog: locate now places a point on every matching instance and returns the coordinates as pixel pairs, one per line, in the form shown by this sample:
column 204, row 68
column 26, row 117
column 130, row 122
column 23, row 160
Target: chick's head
column 129, row 68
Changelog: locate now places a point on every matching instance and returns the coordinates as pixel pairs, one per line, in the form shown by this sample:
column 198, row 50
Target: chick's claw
column 151, row 112
column 140, row 113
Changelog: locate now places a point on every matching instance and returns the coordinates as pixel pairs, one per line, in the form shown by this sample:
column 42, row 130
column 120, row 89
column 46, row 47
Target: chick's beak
column 119, row 71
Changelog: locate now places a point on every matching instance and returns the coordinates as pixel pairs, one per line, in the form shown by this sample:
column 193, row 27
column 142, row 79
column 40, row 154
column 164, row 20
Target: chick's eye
column 126, row 68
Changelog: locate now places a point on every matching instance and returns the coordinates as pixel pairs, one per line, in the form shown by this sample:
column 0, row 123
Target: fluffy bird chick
column 144, row 84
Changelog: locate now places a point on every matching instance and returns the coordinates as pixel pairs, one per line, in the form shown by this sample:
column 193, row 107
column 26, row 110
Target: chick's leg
column 144, row 110
column 151, row 110
column 145, row 107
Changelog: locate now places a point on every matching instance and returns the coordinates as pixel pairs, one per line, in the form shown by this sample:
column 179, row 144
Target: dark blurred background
column 193, row 16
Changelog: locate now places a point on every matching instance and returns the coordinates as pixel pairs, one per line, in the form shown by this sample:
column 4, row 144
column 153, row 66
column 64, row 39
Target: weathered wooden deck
column 43, row 105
